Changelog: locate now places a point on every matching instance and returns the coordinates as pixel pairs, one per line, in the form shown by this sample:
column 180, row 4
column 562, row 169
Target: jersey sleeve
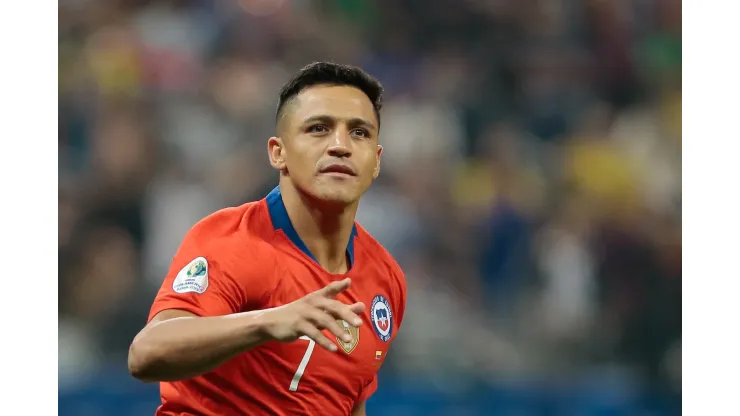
column 398, row 288
column 368, row 389
column 208, row 278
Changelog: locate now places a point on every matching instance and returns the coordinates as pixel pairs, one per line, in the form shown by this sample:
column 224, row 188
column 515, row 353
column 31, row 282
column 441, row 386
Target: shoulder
column 239, row 256
column 231, row 234
column 385, row 265
column 379, row 255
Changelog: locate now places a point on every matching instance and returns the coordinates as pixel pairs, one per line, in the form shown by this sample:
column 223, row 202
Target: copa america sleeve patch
column 381, row 316
column 193, row 277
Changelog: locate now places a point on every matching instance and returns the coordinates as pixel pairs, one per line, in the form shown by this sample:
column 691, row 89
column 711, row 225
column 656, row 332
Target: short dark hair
column 329, row 73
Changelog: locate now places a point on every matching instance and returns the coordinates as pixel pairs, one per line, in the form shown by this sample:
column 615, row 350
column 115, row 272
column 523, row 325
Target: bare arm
column 178, row 344
column 359, row 410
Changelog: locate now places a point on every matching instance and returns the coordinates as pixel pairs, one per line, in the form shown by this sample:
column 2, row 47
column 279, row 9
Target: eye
column 361, row 133
column 318, row 128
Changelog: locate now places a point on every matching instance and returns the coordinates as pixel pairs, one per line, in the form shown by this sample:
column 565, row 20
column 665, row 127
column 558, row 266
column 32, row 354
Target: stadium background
column 531, row 186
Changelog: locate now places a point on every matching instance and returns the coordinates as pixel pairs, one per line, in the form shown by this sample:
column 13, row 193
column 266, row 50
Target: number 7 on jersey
column 304, row 362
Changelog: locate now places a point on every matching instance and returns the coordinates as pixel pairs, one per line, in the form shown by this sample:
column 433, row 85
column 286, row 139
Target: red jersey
column 250, row 258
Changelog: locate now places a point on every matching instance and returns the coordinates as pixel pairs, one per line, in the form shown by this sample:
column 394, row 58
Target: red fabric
column 252, row 266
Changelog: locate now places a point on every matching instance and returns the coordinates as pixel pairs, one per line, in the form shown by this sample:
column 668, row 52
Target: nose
column 340, row 143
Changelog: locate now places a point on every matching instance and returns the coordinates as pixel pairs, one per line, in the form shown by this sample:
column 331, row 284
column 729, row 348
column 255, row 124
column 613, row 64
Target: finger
column 357, row 308
column 334, row 288
column 315, row 334
column 323, row 320
column 340, row 310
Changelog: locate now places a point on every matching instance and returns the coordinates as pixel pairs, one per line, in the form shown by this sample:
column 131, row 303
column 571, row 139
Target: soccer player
column 253, row 289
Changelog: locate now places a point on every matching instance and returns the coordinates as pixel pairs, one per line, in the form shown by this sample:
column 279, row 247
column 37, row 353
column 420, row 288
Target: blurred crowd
column 530, row 184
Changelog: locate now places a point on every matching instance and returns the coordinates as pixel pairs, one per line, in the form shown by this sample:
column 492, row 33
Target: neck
column 324, row 229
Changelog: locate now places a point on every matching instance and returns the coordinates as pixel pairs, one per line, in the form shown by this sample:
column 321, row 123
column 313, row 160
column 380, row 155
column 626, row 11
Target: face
column 328, row 145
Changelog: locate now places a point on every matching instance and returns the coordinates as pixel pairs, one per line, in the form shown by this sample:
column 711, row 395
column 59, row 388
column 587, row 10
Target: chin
column 336, row 194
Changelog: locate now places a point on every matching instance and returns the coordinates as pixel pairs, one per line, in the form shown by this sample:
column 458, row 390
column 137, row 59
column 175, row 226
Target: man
column 253, row 289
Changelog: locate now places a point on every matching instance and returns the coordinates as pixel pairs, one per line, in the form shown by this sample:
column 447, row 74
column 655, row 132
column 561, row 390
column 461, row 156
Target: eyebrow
column 353, row 122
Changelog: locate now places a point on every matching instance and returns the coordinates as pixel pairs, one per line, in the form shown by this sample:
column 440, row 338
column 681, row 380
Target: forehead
column 341, row 102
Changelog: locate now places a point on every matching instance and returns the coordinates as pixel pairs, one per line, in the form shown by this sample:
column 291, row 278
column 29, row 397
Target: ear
column 377, row 162
column 276, row 153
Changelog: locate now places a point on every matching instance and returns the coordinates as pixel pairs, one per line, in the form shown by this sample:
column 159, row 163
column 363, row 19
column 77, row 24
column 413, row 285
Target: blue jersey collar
column 281, row 221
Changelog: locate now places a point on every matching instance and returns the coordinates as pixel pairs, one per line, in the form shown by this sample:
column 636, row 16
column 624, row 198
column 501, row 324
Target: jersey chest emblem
column 354, row 332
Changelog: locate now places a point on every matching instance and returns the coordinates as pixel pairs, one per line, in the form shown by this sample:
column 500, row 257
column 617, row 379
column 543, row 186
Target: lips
column 339, row 168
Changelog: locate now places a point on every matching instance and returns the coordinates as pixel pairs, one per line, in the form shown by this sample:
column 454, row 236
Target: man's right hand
column 313, row 313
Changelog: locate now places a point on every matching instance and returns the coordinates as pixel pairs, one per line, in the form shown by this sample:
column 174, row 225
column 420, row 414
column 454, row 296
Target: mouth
column 338, row 170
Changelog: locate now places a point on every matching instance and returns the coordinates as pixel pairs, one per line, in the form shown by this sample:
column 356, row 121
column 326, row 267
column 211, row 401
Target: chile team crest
column 382, row 317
